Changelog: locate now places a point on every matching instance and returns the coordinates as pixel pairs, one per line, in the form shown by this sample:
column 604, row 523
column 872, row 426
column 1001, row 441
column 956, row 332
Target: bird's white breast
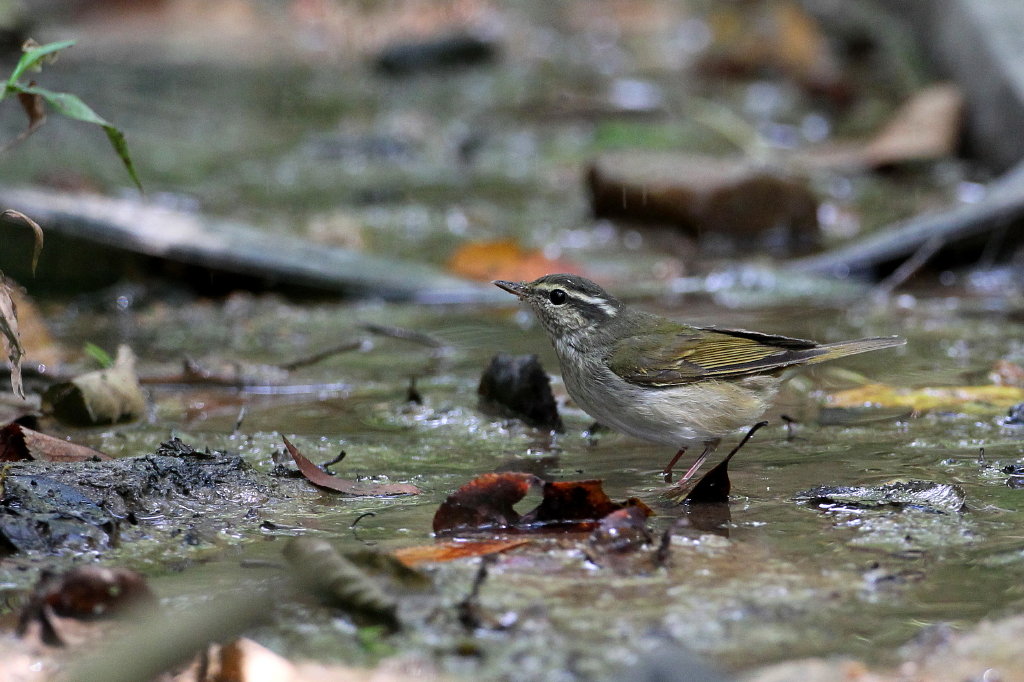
column 674, row 415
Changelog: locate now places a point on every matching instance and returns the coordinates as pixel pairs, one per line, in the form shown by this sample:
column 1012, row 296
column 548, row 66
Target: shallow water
column 322, row 148
column 783, row 579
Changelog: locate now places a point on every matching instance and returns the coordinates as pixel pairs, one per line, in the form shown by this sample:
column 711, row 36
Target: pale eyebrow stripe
column 587, row 299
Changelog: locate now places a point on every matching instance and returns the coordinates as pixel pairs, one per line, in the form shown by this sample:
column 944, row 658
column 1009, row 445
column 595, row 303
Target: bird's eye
column 557, row 297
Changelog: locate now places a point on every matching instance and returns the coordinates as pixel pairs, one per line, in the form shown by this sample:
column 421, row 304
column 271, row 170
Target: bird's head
column 566, row 305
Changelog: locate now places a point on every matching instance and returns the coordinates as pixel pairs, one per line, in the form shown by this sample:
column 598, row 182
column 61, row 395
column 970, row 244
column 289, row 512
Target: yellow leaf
column 928, row 398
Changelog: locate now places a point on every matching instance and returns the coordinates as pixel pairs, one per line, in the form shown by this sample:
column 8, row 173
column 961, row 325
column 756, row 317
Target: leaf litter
column 322, row 479
column 487, row 503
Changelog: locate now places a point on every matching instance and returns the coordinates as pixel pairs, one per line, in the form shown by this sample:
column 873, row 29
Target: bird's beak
column 517, row 288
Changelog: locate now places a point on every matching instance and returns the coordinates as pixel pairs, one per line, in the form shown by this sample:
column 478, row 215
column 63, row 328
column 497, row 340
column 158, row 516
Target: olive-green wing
column 685, row 354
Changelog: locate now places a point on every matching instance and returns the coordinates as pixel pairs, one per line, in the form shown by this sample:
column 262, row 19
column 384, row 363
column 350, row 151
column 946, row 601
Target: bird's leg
column 667, row 471
column 709, row 447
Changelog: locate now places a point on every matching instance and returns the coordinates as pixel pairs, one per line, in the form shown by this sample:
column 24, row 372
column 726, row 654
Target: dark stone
column 1016, row 479
column 1016, row 415
column 442, row 52
column 517, row 386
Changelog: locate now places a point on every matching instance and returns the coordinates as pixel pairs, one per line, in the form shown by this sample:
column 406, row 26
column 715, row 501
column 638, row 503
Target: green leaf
column 101, row 356
column 64, row 103
column 120, row 145
column 71, row 106
column 33, row 56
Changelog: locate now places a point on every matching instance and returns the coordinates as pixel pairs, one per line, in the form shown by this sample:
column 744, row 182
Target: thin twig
column 346, row 347
column 239, row 420
column 326, row 466
column 469, row 608
column 361, row 517
column 404, row 334
column 908, row 267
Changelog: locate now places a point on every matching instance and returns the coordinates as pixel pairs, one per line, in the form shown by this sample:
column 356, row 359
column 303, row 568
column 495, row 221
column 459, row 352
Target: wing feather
column 693, row 353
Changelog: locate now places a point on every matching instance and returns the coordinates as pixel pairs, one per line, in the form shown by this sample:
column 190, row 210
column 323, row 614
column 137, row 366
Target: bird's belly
column 673, row 415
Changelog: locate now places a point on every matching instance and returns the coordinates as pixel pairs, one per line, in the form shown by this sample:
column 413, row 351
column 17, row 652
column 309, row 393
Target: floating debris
column 927, row 495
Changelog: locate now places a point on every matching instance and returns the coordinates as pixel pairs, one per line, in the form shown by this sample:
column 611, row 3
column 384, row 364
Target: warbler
column 661, row 380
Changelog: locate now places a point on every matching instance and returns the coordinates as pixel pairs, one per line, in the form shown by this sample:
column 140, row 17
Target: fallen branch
column 1003, row 206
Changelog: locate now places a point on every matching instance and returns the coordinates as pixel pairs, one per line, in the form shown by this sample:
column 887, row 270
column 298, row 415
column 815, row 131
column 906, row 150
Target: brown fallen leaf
column 450, row 551
column 487, row 502
column 582, row 503
column 18, row 443
column 37, row 233
column 322, row 479
column 34, row 107
column 753, row 38
column 925, row 128
column 11, row 340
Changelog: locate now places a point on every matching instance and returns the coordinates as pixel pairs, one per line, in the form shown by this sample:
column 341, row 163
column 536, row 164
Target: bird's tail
column 831, row 351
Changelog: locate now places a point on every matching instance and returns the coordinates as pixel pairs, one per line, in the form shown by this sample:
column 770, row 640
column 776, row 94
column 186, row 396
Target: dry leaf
column 9, row 332
column 321, row 478
column 106, row 396
column 34, row 107
column 488, row 502
column 963, row 398
column 450, row 551
column 18, row 443
column 924, row 129
column 773, row 36
column 37, row 247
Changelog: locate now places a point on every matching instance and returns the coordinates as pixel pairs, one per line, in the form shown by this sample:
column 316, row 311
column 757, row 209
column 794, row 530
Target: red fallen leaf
column 450, row 551
column 487, row 502
column 83, row 593
column 572, row 501
column 18, row 443
column 322, row 479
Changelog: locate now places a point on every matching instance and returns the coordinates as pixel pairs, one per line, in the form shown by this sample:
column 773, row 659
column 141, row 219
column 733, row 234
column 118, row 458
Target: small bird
column 660, row 380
